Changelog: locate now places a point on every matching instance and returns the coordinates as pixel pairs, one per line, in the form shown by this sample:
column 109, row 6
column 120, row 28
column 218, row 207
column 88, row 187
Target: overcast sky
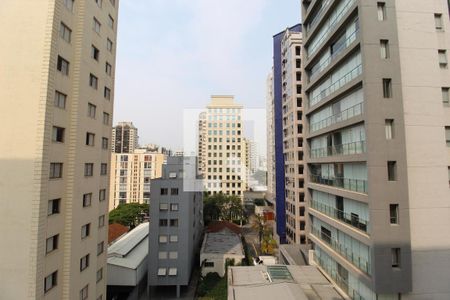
column 173, row 54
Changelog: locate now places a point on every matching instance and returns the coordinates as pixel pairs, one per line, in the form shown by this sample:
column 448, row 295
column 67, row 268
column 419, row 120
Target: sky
column 172, row 55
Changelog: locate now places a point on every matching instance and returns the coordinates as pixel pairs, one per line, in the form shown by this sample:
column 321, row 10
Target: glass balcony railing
column 319, row 67
column 358, row 261
column 355, row 185
column 332, row 22
column 355, row 72
column 342, row 149
column 342, row 216
column 316, row 18
column 350, row 112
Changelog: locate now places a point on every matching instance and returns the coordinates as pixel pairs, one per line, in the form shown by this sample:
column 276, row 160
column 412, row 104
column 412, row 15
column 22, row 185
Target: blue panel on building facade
column 278, row 124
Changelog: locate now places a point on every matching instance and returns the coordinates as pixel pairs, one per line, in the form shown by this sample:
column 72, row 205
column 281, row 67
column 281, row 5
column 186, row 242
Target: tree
column 130, row 214
column 258, row 224
column 268, row 244
column 221, row 207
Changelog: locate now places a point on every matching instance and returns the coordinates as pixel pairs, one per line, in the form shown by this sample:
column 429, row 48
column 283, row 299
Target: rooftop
column 115, row 231
column 222, row 242
column 285, row 282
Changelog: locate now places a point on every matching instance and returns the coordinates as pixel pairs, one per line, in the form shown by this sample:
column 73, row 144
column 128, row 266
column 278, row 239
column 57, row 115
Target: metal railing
column 326, row 33
column 358, row 261
column 342, row 216
column 342, row 149
column 316, row 18
column 350, row 112
column 319, row 67
column 355, row 72
column 356, row 185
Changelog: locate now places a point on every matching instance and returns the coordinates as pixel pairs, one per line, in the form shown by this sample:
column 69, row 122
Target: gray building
column 376, row 91
column 124, row 138
column 176, row 225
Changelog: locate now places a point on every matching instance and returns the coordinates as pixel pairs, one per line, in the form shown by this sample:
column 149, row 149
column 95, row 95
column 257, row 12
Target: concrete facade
column 124, row 138
column 52, row 79
column 377, row 156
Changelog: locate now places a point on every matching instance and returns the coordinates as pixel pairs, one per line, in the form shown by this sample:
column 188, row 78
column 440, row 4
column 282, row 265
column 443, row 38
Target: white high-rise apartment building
column 225, row 150
column 131, row 174
column 56, row 91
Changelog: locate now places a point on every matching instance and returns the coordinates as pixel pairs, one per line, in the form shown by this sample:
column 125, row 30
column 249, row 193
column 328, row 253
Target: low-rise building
column 279, row 282
column 217, row 248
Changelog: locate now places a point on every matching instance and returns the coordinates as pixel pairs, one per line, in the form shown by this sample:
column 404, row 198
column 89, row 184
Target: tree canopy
column 130, row 214
column 221, row 207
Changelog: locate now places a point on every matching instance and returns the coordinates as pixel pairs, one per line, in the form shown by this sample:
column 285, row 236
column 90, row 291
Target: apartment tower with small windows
column 124, row 138
column 375, row 84
column 176, row 224
column 56, row 103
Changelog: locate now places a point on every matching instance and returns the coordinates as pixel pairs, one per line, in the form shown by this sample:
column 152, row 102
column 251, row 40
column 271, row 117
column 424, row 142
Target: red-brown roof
column 115, row 231
column 217, row 226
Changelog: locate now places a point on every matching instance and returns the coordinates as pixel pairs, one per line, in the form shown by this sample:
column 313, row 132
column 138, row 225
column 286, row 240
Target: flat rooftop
column 222, row 242
column 285, row 282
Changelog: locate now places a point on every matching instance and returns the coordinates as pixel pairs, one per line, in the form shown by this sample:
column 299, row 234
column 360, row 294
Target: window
column 173, row 255
column 58, row 134
column 392, row 170
column 163, row 206
column 174, row 207
column 162, row 271
column 85, row 230
column 209, row 264
column 387, row 87
column 95, row 53
column 395, row 252
column 87, row 199
column 100, row 248
column 108, row 69
column 69, row 4
column 173, row 222
column 65, row 32
column 389, row 128
column 84, row 293
column 110, row 21
column 384, row 47
column 99, row 3
column 84, row 262
column 105, row 118
column 164, row 191
column 101, row 221
column 162, row 255
column 447, row 135
column 174, row 191
column 60, row 100
column 91, row 110
column 163, row 222
column 381, row 11
column 53, row 207
column 50, row 281
column 90, row 138
column 297, row 50
column 174, row 238
column 105, row 143
column 442, row 59
column 99, row 275
column 109, row 45
column 438, row 22
column 173, row 271
column 63, row 66
column 96, row 26
column 107, row 93
column 56, row 170
column 88, row 169
column 163, row 239
column 102, row 195
column 393, row 213
column 51, row 244
column 93, row 81
column 104, row 169
column 445, row 96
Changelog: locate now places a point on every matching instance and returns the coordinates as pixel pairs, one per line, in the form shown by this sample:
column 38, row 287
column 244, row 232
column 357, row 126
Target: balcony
column 350, row 112
column 358, row 261
column 310, row 26
column 355, row 185
column 349, row 219
column 342, row 149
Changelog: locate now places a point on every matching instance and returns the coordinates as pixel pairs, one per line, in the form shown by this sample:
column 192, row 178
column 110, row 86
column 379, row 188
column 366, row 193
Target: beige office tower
column 201, row 143
column 56, row 91
column 225, row 169
column 292, row 113
column 131, row 174
column 124, row 138
column 377, row 108
column 270, row 106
